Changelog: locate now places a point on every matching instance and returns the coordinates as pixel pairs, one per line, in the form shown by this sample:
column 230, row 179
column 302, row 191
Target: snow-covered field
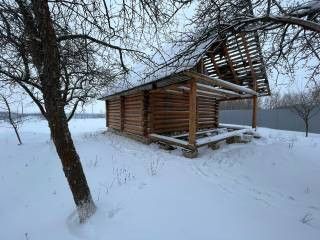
column 267, row 189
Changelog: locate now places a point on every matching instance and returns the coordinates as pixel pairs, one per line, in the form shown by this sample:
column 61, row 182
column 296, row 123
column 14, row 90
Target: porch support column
column 254, row 112
column 254, row 81
column 193, row 112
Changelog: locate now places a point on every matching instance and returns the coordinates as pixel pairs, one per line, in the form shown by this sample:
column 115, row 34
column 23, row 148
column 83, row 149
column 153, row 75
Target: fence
column 277, row 118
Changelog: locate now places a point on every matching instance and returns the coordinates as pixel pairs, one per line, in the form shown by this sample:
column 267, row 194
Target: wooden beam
column 170, row 87
column 220, row 137
column 215, row 81
column 232, row 67
column 218, row 90
column 200, row 66
column 151, row 113
column 247, row 96
column 193, row 112
column 254, row 112
column 171, row 141
column 203, row 92
column 254, row 82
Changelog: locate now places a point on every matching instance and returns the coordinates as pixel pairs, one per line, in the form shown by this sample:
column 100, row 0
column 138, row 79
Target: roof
column 226, row 60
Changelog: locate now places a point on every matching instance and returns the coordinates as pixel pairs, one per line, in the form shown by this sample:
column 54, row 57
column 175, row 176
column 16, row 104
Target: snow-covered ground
column 267, row 189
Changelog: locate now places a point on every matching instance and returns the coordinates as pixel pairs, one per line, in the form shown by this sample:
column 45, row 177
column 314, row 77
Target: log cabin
column 178, row 104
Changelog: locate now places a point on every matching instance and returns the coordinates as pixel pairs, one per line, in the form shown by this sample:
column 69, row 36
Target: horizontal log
column 171, row 117
column 170, row 108
column 133, row 127
column 133, row 112
column 171, row 141
column 171, row 129
column 170, row 122
column 221, row 83
column 171, row 126
column 134, row 132
column 114, row 126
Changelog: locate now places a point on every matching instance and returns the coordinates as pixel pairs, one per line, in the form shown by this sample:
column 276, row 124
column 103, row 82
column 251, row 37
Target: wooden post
column 216, row 115
column 193, row 112
column 254, row 112
column 122, row 113
column 254, row 81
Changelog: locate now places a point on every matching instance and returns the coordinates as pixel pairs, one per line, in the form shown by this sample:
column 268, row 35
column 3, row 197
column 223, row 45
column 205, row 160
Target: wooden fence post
column 193, row 112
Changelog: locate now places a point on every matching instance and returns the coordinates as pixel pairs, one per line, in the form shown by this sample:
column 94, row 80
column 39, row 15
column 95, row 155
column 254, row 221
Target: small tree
column 13, row 120
column 306, row 104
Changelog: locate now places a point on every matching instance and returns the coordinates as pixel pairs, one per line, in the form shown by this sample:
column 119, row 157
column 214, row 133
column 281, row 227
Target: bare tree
column 288, row 30
column 305, row 103
column 14, row 119
column 62, row 52
column 273, row 101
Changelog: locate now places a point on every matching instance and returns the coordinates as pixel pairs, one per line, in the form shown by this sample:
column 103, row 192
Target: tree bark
column 49, row 73
column 71, row 164
column 307, row 127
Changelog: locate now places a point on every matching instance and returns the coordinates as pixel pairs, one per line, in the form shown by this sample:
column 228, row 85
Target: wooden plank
column 232, row 126
column 254, row 79
column 232, row 67
column 254, row 112
column 171, row 125
column 199, row 132
column 221, row 83
column 220, row 137
column 193, row 112
column 219, row 90
column 171, row 140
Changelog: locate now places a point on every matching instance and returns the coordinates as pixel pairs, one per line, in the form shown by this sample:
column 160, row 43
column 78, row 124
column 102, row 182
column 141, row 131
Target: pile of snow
column 267, row 189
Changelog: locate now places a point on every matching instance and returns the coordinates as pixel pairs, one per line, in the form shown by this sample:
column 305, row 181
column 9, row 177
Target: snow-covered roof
column 175, row 58
column 236, row 59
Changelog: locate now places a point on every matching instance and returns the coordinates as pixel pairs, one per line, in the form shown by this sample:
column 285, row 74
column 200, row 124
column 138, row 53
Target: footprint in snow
column 142, row 185
column 113, row 212
column 314, row 208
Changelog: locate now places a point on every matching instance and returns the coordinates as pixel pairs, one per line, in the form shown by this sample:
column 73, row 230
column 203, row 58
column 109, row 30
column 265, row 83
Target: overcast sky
column 284, row 84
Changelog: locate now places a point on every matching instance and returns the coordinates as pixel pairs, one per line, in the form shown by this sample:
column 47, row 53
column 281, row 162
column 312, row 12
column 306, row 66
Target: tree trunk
column 71, row 165
column 12, row 122
column 307, row 127
column 17, row 133
column 47, row 60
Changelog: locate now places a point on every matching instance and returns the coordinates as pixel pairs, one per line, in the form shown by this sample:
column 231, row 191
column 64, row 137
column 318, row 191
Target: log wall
column 208, row 112
column 113, row 113
column 170, row 111
column 133, row 114
column 126, row 114
column 159, row 112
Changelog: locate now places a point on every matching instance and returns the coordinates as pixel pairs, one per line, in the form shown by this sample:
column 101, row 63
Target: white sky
column 283, row 84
